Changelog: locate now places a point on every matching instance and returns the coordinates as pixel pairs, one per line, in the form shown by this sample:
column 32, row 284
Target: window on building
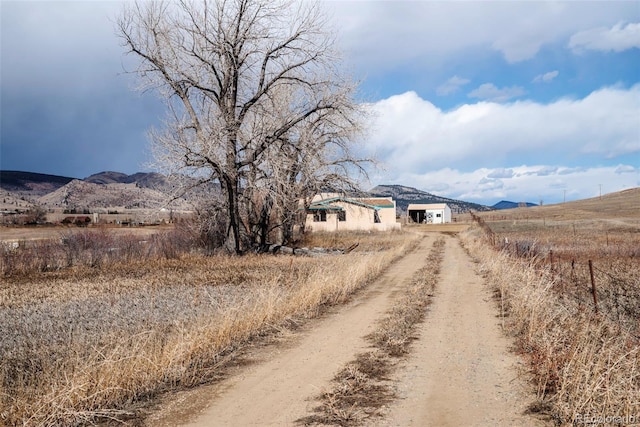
column 342, row 216
column 320, row 216
column 438, row 215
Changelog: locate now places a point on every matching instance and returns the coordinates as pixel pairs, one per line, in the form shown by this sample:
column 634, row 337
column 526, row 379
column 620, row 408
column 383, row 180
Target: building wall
column 329, row 225
column 438, row 215
column 357, row 218
column 425, row 210
column 388, row 215
column 447, row 214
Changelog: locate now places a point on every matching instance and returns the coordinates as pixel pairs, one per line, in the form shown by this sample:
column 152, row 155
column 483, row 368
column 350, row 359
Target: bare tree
column 222, row 67
column 313, row 156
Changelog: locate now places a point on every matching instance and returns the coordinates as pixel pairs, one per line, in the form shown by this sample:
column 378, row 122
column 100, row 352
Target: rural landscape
column 103, row 323
column 427, row 246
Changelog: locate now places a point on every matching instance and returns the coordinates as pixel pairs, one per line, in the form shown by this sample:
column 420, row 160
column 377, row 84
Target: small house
column 434, row 213
column 348, row 213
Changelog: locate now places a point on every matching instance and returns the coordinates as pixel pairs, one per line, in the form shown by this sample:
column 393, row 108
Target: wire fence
column 607, row 285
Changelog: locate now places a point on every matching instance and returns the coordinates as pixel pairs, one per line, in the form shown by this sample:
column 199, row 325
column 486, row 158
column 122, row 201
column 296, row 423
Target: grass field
column 95, row 322
column 27, row 234
column 84, row 343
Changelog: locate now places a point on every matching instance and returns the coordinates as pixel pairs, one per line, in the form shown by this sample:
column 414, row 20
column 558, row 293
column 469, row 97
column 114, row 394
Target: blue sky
column 474, row 100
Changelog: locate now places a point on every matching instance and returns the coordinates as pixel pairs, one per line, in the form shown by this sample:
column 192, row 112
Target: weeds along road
column 459, row 372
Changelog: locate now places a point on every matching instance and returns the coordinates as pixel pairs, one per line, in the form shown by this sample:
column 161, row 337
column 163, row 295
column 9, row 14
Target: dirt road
column 459, row 372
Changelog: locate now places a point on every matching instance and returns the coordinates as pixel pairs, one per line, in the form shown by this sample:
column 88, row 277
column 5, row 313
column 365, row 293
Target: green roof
column 326, row 204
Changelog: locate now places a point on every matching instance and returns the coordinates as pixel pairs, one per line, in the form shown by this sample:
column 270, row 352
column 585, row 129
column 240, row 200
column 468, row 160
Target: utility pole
column 564, row 199
column 600, row 190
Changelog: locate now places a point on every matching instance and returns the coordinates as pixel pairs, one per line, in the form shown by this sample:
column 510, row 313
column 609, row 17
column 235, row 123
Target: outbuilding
column 434, row 213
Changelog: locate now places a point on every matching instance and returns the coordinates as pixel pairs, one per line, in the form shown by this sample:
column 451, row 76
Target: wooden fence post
column 593, row 287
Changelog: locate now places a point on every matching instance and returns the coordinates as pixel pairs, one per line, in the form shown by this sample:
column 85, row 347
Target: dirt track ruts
column 459, row 371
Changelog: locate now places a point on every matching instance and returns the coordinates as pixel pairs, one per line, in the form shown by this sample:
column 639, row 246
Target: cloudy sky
column 474, row 100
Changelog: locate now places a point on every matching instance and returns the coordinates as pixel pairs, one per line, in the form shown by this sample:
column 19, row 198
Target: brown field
column 90, row 341
column 567, row 278
column 623, row 205
column 18, row 234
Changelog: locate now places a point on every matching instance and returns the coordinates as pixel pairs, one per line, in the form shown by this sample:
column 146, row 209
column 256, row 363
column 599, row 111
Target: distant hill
column 505, row 204
column 102, row 190
column 141, row 179
column 407, row 195
column 108, row 177
column 610, row 207
column 83, row 194
column 34, row 184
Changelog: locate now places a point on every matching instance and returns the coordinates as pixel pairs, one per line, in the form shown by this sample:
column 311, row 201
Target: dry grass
column 85, row 344
column 563, row 249
column 366, row 240
column 582, row 362
column 362, row 388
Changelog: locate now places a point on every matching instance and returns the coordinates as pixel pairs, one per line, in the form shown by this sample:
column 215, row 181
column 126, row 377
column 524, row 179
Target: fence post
column 593, row 287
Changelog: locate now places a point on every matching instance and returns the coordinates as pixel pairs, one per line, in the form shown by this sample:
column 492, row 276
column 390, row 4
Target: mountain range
column 102, row 190
column 151, row 190
column 404, row 196
column 505, row 204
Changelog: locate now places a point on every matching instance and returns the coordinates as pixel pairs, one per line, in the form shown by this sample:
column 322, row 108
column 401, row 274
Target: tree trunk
column 233, row 241
column 265, row 216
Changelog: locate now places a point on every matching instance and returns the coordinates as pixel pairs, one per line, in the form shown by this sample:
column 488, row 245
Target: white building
column 435, row 213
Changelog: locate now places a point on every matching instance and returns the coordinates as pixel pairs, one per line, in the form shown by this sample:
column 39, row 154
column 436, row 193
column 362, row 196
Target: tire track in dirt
column 278, row 385
column 460, row 371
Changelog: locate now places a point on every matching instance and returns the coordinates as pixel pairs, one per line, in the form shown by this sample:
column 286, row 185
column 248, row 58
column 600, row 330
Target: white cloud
column 547, row 170
column 489, row 92
column 501, row 173
column 618, row 38
column 384, row 35
column 569, row 171
column 488, row 184
column 414, row 138
column 525, row 184
column 626, row 169
column 452, row 85
column 546, row 77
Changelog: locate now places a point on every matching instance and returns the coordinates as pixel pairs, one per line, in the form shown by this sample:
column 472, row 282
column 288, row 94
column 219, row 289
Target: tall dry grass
column 91, row 247
column 85, row 344
column 566, row 250
column 583, row 364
